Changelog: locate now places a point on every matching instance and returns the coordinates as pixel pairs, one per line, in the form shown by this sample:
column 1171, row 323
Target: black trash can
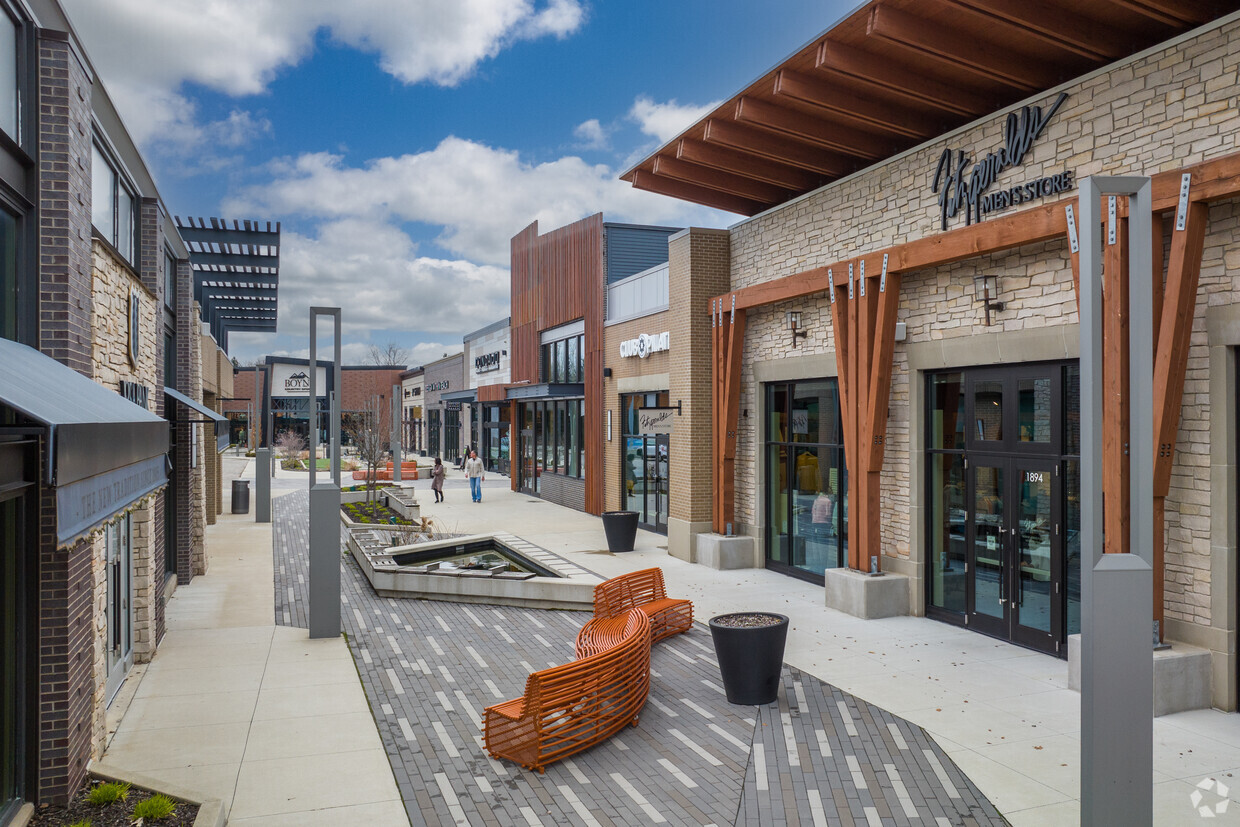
column 621, row 528
column 750, row 650
column 241, row 496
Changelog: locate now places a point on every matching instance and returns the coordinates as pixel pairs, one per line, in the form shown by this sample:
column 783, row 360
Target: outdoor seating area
column 643, row 590
column 408, row 471
column 570, row 708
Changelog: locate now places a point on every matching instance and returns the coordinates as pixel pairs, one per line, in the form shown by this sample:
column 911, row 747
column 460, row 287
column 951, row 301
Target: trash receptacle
column 621, row 530
column 241, row 496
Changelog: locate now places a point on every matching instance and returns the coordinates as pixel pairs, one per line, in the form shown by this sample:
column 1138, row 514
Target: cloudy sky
column 402, row 143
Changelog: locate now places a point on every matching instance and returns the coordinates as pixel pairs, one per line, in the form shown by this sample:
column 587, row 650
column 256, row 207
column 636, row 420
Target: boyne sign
column 959, row 182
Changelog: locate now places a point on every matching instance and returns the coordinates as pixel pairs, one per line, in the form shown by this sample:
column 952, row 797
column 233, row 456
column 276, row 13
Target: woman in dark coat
column 437, row 475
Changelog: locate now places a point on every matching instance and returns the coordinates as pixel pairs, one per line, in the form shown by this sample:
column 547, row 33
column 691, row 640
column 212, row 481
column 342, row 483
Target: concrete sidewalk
column 275, row 725
column 1004, row 714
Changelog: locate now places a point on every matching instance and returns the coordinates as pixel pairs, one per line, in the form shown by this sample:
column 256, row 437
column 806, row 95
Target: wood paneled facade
column 558, row 278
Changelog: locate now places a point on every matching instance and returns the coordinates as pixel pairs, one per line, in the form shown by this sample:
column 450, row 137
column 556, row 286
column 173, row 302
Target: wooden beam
column 751, row 166
column 805, row 283
column 869, row 111
column 978, row 57
column 1074, row 255
column 881, row 366
column 1049, row 25
column 892, row 77
column 728, row 183
column 644, row 180
column 1174, row 335
column 1159, row 273
column 811, row 129
column 1211, row 181
column 990, row 236
column 1117, row 507
column 1177, row 13
column 735, row 332
column 782, row 150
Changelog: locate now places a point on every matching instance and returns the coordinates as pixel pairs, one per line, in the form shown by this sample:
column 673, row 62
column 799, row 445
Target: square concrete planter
column 865, row 596
column 1181, row 676
column 725, row 553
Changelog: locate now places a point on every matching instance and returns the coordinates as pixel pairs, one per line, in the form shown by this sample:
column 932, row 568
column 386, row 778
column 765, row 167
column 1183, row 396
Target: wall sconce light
column 987, row 292
column 793, row 317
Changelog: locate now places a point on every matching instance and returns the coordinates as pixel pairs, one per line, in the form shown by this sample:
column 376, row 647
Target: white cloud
column 592, row 134
column 481, row 196
column 146, row 50
column 667, row 120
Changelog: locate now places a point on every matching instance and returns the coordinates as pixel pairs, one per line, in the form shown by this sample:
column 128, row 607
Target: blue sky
column 401, row 144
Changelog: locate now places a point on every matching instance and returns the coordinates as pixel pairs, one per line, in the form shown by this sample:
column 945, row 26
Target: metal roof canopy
column 212, row 418
column 236, row 273
column 890, row 76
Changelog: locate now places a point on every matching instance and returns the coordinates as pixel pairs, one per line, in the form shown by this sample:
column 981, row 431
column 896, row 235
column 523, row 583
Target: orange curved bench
column 569, row 708
column 636, row 590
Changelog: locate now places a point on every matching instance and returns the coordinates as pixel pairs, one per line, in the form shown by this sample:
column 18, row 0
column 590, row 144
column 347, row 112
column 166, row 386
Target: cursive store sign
column 959, row 182
column 645, row 344
column 655, row 420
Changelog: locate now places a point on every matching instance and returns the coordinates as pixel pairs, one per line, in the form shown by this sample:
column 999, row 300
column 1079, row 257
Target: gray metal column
column 1117, row 667
column 324, row 501
column 396, row 404
column 262, row 485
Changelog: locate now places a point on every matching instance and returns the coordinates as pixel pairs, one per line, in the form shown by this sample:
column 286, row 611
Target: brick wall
column 1171, row 108
column 151, row 272
column 181, row 472
column 566, row 491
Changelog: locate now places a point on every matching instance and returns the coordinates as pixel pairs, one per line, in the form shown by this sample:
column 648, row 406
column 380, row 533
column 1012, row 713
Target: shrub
column 108, row 793
column 83, row 823
column 155, row 807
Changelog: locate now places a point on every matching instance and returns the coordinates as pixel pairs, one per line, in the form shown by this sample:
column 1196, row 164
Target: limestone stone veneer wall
column 1163, row 109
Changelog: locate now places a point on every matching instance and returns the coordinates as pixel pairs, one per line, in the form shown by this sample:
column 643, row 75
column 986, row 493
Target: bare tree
column 368, row 431
column 290, row 444
column 387, row 355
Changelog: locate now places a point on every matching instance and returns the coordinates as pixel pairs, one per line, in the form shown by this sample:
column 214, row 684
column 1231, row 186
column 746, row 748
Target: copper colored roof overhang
column 890, row 76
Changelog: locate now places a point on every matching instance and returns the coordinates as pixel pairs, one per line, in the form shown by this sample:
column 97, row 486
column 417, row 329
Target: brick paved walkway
column 819, row 756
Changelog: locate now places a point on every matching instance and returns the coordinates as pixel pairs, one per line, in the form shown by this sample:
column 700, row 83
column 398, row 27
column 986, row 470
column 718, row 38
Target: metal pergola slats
column 236, row 273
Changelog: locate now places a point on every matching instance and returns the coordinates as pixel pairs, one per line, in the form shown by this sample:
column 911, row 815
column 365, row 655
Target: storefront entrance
column 118, row 539
column 1003, row 502
column 645, row 462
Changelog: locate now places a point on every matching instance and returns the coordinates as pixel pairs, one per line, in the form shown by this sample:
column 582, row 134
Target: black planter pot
column 750, row 658
column 621, row 528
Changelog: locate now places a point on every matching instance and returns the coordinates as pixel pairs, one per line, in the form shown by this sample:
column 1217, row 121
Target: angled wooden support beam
column 986, row 60
column 1074, row 250
column 893, row 78
column 820, row 131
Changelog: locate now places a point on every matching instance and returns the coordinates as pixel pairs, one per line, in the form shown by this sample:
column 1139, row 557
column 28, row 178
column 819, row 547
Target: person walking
column 437, row 475
column 476, row 474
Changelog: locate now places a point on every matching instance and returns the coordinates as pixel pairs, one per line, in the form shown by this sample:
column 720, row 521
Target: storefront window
column 807, row 490
column 574, row 372
column 8, row 276
column 10, row 89
column 563, row 361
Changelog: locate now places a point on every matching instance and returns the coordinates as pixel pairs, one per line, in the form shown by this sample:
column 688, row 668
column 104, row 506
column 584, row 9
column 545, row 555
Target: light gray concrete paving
column 818, row 756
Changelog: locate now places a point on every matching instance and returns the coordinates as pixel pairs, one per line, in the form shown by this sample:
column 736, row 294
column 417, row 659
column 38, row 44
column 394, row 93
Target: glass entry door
column 120, row 619
column 529, row 473
column 646, row 479
column 1015, row 545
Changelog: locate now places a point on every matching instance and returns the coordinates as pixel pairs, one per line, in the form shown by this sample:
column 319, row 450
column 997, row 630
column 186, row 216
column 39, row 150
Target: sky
column 402, row 143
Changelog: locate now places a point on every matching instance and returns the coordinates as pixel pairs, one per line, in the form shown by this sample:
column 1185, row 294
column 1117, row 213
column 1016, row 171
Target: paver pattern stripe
column 817, row 756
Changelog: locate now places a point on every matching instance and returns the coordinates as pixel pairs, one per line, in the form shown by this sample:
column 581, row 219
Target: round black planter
column 621, row 528
column 750, row 658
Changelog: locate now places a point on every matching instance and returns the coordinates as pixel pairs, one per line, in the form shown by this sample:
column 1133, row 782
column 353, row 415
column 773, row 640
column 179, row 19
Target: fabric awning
column 211, row 417
column 103, row 452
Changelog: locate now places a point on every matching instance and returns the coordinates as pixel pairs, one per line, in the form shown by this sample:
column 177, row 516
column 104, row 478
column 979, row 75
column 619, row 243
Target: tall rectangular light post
column 324, row 497
column 1117, row 666
column 395, row 440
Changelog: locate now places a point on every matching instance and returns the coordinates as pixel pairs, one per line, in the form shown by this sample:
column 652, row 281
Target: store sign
column 294, row 380
column 135, row 322
column 441, row 385
column 83, row 504
column 959, row 182
column 655, row 420
column 488, row 362
column 645, row 344
column 452, row 406
column 135, row 393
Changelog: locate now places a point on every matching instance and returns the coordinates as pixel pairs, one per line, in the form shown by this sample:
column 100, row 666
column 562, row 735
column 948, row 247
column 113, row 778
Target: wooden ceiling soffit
column 811, row 129
column 1178, row 13
column 872, row 111
column 750, row 166
column 726, row 182
column 1051, row 25
column 775, row 148
column 897, row 79
column 647, row 180
column 987, row 60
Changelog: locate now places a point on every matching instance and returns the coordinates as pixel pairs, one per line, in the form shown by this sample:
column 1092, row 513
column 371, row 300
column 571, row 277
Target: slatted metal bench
column 569, row 708
column 636, row 590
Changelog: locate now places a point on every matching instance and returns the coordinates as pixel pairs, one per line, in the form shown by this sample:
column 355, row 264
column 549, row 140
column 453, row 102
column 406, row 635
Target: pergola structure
column 890, row 76
column 236, row 273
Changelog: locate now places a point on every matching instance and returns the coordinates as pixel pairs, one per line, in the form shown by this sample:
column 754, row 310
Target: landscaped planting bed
column 373, row 512
column 119, row 805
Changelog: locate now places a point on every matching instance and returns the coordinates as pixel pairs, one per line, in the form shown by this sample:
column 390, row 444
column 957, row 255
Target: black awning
column 103, row 452
column 547, row 390
column 211, row 417
column 460, row 396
